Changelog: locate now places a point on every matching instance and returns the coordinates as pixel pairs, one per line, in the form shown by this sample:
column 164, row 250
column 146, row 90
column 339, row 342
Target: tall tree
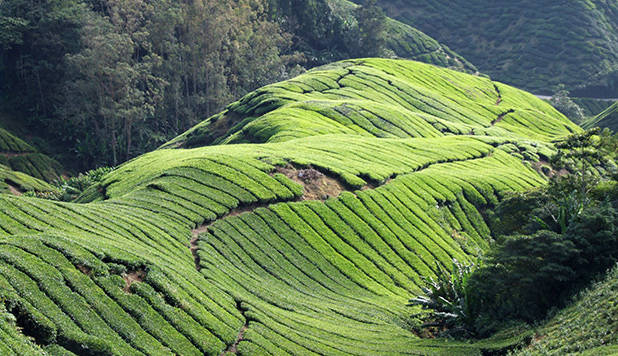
column 372, row 30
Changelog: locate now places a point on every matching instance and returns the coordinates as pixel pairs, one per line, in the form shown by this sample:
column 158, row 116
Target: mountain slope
column 327, row 30
column 20, row 156
column 308, row 241
column 408, row 42
column 530, row 44
column 587, row 327
column 606, row 119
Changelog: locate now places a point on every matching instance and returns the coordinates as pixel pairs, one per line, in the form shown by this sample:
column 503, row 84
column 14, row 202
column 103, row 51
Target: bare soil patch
column 84, row 269
column 132, row 277
column 233, row 349
column 14, row 190
column 502, row 116
column 317, row 185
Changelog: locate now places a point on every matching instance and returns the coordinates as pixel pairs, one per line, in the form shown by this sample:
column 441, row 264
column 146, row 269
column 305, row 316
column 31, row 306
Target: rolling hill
column 530, row 44
column 297, row 221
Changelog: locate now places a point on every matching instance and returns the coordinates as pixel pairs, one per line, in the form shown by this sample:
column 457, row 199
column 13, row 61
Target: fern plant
column 448, row 301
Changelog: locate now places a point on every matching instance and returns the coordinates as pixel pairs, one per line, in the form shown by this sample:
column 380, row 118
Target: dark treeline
column 101, row 81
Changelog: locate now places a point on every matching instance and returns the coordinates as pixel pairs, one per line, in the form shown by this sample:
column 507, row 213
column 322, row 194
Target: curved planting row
column 66, row 269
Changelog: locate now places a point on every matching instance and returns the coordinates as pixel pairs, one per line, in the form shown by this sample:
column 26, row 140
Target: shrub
column 449, row 300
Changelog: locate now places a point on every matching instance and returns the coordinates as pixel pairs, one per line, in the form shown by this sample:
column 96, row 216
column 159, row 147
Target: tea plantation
column 20, row 156
column 212, row 244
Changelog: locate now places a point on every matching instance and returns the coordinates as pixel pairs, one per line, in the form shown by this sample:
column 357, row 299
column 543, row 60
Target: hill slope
column 408, row 42
column 327, row 30
column 380, row 98
column 529, row 44
column 587, row 327
column 309, row 240
column 18, row 155
column 608, row 118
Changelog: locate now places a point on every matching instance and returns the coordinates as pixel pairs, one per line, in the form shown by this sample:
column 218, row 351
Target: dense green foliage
column 105, row 80
column 269, row 273
column 329, row 30
column 550, row 242
column 102, row 81
column 592, row 107
column 561, row 101
column 528, row 43
column 448, row 300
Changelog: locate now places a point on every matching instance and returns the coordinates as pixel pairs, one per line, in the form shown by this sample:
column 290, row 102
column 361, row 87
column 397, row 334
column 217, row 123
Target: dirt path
column 14, row 190
column 501, row 117
column 14, row 154
column 499, row 100
column 233, row 348
column 132, row 277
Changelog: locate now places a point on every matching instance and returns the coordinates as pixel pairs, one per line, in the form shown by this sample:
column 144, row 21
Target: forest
column 98, row 82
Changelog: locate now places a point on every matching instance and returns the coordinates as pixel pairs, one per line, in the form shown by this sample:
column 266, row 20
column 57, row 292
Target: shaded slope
column 327, row 30
column 275, row 275
column 529, row 44
column 588, row 327
column 606, row 119
column 20, row 156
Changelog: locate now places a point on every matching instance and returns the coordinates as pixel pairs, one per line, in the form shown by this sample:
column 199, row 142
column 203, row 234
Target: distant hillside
column 592, row 107
column 20, row 156
column 323, row 28
column 344, row 188
column 530, row 44
column 608, row 118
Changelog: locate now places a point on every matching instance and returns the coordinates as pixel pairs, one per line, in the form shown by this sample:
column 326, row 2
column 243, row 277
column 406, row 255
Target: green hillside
column 18, row 155
column 345, row 187
column 592, row 107
column 587, row 327
column 380, row 98
column 17, row 182
column 407, row 42
column 608, row 118
column 530, row 44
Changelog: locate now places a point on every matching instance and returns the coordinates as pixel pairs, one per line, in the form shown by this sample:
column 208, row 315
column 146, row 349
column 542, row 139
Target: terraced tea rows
column 606, row 119
column 380, row 98
column 13, row 182
column 20, row 156
column 122, row 272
